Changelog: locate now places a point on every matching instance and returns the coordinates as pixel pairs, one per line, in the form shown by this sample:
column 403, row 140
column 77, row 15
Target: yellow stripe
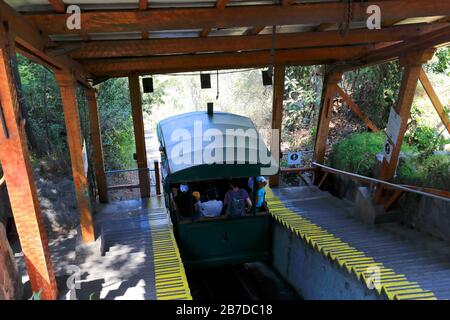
column 394, row 286
column 170, row 277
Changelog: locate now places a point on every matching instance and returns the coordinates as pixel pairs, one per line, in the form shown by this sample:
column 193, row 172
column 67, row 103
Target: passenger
column 212, row 207
column 236, row 200
column 186, row 203
column 260, row 193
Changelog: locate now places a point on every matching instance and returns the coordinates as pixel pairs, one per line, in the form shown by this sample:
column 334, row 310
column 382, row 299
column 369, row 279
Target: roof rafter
column 236, row 16
column 129, row 48
column 197, row 62
column 220, row 4
column 428, row 40
column 31, row 43
column 58, row 5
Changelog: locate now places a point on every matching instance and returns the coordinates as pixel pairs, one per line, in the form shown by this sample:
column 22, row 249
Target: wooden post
column 326, row 110
column 434, row 99
column 139, row 134
column 412, row 64
column 277, row 113
column 68, row 88
column 19, row 178
column 157, row 178
column 96, row 137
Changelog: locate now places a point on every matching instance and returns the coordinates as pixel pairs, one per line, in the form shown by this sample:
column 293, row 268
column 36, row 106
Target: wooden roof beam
column 428, row 40
column 143, row 4
column 220, row 5
column 199, row 62
column 130, row 48
column 236, row 16
column 58, row 5
column 32, row 43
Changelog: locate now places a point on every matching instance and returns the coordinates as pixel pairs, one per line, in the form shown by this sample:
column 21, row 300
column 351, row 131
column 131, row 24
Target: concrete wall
column 10, row 285
column 311, row 274
column 428, row 215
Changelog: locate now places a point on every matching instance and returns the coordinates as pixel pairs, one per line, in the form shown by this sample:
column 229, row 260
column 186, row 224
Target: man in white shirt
column 211, row 208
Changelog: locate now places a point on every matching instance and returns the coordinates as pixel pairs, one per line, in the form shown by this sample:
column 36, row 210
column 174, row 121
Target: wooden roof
column 127, row 36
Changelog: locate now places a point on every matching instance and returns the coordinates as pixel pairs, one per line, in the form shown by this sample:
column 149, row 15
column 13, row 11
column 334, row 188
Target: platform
column 135, row 256
column 410, row 265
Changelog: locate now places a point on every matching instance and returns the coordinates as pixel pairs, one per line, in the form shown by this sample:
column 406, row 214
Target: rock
column 10, row 284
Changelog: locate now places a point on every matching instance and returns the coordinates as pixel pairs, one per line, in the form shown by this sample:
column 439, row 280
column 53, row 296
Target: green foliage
column 302, row 98
column 375, row 89
column 357, row 152
column 41, row 105
column 432, row 171
column 441, row 62
column 426, row 139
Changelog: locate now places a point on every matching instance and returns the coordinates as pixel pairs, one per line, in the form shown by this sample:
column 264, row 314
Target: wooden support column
column 434, row 99
column 277, row 112
column 412, row 66
column 139, row 134
column 19, row 178
column 68, row 88
column 96, row 137
column 326, row 110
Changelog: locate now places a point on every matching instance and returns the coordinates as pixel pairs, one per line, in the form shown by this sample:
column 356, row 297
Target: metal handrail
column 378, row 181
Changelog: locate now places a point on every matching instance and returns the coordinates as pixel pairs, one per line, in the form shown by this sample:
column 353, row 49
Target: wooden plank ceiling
column 120, row 37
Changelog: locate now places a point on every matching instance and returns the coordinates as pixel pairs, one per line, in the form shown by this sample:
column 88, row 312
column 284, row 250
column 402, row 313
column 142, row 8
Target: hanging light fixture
column 147, row 84
column 205, row 80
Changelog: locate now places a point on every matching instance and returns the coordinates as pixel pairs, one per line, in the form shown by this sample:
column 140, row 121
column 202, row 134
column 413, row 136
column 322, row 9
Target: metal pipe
column 392, row 185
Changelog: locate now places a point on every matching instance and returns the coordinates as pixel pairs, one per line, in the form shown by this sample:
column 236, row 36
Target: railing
column 432, row 193
column 124, row 184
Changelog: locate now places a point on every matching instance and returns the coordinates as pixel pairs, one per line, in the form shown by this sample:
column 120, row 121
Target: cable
column 198, row 73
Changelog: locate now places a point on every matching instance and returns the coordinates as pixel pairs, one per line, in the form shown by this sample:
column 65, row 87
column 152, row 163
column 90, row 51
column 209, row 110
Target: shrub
column 357, row 153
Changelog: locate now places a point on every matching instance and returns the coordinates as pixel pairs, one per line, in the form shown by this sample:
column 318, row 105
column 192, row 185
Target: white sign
column 393, row 126
column 294, row 158
column 85, row 158
column 387, row 149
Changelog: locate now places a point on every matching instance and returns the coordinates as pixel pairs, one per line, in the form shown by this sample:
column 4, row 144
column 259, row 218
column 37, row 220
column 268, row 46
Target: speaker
column 147, row 84
column 205, row 80
column 266, row 78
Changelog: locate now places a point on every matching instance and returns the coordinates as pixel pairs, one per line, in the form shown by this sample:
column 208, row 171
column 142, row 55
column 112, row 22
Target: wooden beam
column 68, row 89
column 139, row 134
column 254, row 31
column 220, row 4
column 18, row 173
column 235, row 16
column 326, row 111
column 434, row 99
column 96, row 137
column 412, row 66
column 199, row 62
column 31, row 42
column 277, row 113
column 357, row 110
column 424, row 41
column 130, row 48
column 143, row 4
column 58, row 5
column 324, row 26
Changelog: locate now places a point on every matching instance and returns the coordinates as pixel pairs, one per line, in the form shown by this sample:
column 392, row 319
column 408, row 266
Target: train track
column 247, row 282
